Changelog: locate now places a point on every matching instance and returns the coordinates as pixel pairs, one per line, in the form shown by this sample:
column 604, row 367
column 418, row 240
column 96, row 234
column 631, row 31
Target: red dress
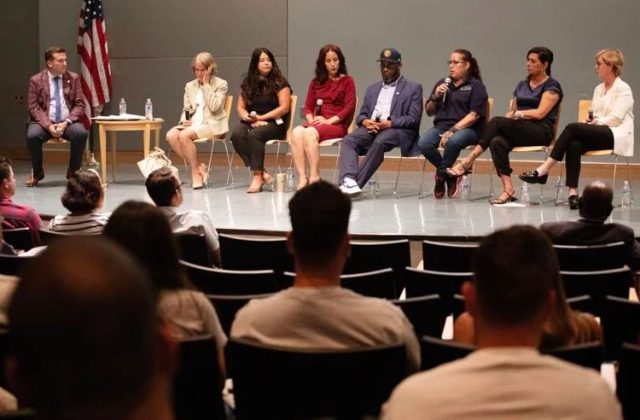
column 338, row 98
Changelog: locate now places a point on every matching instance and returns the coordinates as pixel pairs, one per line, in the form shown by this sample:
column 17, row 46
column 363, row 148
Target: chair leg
column 335, row 169
column 395, row 188
column 629, row 179
column 230, row 171
column 559, row 184
column 615, row 166
column 424, row 166
column 213, row 143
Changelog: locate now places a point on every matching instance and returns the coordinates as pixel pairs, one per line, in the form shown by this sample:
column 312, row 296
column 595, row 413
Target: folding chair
column 338, row 142
column 287, row 140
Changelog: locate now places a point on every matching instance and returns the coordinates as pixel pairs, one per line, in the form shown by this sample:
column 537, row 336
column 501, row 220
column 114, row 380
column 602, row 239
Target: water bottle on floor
column 291, row 180
column 372, row 186
column 625, row 201
column 122, row 108
column 524, row 196
column 148, row 110
column 465, row 187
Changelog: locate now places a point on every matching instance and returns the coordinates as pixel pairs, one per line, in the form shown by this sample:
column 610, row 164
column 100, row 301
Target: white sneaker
column 350, row 187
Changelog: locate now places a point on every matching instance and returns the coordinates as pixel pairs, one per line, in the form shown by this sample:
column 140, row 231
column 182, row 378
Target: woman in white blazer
column 203, row 115
column 609, row 125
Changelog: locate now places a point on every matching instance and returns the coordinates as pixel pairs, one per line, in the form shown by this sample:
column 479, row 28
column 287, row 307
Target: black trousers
column 249, row 142
column 576, row 139
column 503, row 134
column 37, row 135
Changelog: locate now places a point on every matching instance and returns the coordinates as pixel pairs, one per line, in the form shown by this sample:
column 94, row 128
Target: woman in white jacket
column 609, row 125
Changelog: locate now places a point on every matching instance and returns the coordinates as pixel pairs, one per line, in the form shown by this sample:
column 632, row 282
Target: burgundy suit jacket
column 39, row 97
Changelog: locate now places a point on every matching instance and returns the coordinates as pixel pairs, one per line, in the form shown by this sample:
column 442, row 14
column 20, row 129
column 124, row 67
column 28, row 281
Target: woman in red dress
column 328, row 109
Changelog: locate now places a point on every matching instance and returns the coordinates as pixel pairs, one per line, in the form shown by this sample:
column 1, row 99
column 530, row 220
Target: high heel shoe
column 266, row 178
column 255, row 187
column 574, row 203
column 532, row 177
column 508, row 199
column 204, row 174
column 301, row 185
column 460, row 168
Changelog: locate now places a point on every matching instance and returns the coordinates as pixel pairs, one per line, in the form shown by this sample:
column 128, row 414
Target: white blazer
column 615, row 109
column 215, row 94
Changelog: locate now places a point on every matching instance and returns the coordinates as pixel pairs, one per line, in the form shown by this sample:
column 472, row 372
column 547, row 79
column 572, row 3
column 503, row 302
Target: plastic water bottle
column 465, row 187
column 122, row 108
column 148, row 110
column 524, row 196
column 372, row 186
column 291, row 181
column 625, row 202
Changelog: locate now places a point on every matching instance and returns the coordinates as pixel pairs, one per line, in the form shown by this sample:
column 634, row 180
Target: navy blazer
column 406, row 110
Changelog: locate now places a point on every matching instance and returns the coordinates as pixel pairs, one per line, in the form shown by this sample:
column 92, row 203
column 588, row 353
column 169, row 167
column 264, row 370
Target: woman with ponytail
column 458, row 103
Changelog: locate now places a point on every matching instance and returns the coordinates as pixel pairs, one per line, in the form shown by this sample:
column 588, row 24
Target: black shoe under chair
column 573, row 202
column 440, row 187
column 532, row 177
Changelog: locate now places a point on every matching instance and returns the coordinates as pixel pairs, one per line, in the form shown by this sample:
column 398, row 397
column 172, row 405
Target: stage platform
column 373, row 215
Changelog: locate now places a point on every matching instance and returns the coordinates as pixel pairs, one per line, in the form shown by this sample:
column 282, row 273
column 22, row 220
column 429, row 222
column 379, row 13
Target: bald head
column 596, row 201
column 83, row 327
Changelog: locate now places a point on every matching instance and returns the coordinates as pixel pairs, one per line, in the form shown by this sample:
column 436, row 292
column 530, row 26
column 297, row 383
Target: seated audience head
column 164, row 188
column 539, row 59
column 319, row 227
column 516, row 275
column 144, row 231
column 462, row 65
column 7, row 178
column 86, row 341
column 84, row 192
column 330, row 63
column 612, row 57
column 596, row 202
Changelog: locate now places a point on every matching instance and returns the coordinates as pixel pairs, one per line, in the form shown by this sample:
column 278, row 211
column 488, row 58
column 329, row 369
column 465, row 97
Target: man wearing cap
column 389, row 117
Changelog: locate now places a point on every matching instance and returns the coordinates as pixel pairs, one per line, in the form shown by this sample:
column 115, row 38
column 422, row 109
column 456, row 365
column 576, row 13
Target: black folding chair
column 11, row 265
column 426, row 282
column 240, row 253
column 227, row 306
column 19, row 238
column 449, row 257
column 215, row 281
column 620, row 324
column 597, row 284
column 435, row 351
column 589, row 355
column 274, row 383
column 591, row 257
column 197, row 386
column 628, row 380
column 193, row 248
column 379, row 283
column 376, row 255
column 426, row 313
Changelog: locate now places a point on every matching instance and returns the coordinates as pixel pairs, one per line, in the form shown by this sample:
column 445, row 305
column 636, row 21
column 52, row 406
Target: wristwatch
column 454, row 130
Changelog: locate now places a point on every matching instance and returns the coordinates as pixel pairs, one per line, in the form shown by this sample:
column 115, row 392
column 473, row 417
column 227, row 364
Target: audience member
column 15, row 215
column 263, row 108
column 316, row 313
column 389, row 117
column 144, row 231
column 83, row 197
column 595, row 206
column 165, row 191
column 511, row 298
column 87, row 344
column 56, row 105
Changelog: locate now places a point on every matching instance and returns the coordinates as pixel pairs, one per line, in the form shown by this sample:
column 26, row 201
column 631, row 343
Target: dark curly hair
column 83, row 193
column 254, row 86
column 321, row 70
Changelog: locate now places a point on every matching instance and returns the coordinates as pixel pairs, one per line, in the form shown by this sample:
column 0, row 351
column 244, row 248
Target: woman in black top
column 263, row 108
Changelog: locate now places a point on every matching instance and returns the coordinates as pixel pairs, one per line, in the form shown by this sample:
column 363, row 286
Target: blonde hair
column 206, row 60
column 613, row 57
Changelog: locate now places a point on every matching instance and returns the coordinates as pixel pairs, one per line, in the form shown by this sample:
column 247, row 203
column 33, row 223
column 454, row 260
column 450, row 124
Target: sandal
column 460, row 168
column 204, row 173
column 508, row 199
column 304, row 183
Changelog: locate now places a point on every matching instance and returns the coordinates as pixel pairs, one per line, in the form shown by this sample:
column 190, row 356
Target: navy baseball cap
column 390, row 55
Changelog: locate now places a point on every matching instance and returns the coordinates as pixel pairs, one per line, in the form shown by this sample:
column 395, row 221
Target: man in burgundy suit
column 56, row 104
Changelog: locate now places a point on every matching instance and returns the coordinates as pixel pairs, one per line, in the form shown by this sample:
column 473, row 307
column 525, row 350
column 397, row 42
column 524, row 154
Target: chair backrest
column 582, row 303
column 591, row 257
column 193, row 248
column 488, row 111
column 228, row 104
column 294, row 384
column 584, row 105
column 377, row 283
column 597, row 284
column 352, row 124
column 435, row 351
column 589, row 355
column 376, row 255
column 451, row 257
column 227, row 306
column 19, row 238
column 628, row 381
column 239, row 253
column 620, row 324
column 11, row 265
column 555, row 127
column 48, row 237
column 426, row 282
column 426, row 313
column 215, row 281
column 22, row 414
column 197, row 386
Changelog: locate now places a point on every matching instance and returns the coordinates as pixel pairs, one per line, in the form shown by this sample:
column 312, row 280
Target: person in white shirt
column 165, row 191
column 511, row 297
column 316, row 313
column 608, row 126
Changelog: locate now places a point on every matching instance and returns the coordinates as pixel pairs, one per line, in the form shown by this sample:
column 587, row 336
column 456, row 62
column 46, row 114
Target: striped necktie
column 57, row 98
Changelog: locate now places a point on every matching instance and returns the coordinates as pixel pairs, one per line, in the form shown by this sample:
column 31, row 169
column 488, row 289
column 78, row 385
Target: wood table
column 113, row 126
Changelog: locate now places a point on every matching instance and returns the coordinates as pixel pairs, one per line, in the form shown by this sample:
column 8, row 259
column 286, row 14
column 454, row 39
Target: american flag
column 94, row 54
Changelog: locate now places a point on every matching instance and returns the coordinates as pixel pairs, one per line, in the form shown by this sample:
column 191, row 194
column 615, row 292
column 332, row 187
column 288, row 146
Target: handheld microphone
column 590, row 114
column 187, row 113
column 319, row 103
column 377, row 117
column 253, row 115
column 444, row 96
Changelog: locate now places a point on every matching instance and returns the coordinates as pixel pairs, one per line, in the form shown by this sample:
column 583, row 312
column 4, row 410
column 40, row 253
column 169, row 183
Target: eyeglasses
column 455, row 62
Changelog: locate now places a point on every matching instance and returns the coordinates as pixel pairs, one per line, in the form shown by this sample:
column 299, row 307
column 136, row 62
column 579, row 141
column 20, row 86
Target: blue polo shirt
column 527, row 98
column 471, row 95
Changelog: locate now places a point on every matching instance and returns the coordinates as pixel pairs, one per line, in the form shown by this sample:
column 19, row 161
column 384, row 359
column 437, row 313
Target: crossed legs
column 304, row 146
column 181, row 141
